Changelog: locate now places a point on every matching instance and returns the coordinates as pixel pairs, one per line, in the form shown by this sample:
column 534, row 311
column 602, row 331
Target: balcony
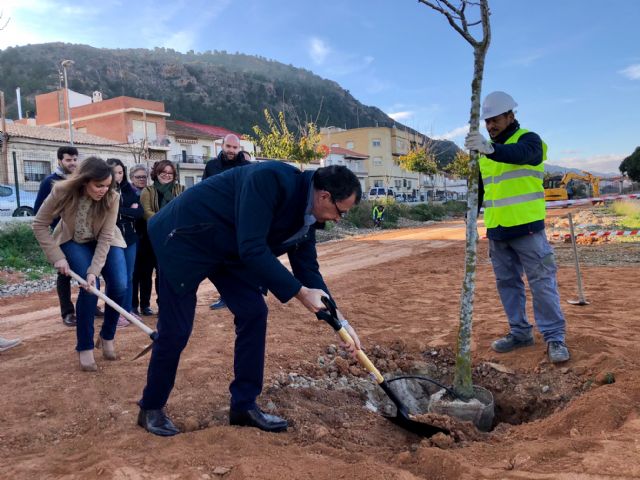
column 189, row 159
column 157, row 142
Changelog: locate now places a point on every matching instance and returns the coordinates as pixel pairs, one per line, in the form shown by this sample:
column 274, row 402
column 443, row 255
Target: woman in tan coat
column 165, row 188
column 87, row 241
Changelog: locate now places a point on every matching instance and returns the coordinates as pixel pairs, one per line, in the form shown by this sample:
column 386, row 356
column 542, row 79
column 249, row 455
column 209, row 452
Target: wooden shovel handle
column 361, row 356
column 112, row 304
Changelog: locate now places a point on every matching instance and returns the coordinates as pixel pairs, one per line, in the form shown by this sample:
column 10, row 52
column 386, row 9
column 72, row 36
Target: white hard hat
column 496, row 103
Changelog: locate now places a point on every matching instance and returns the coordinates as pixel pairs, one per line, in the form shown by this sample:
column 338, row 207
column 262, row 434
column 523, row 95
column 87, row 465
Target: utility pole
column 64, row 64
column 4, row 172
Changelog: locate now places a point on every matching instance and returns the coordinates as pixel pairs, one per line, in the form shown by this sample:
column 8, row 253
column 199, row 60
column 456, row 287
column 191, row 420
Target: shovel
column 403, row 417
column 152, row 333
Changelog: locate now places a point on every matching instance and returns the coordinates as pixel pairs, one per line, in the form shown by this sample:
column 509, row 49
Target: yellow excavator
column 568, row 186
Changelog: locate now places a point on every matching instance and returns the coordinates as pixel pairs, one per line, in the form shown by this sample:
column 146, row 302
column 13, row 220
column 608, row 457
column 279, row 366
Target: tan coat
column 104, row 230
column 150, row 202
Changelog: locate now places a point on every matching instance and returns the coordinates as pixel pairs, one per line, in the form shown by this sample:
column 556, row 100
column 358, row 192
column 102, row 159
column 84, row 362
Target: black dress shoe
column 69, row 320
column 257, row 418
column 147, row 312
column 135, row 311
column 157, row 422
column 99, row 312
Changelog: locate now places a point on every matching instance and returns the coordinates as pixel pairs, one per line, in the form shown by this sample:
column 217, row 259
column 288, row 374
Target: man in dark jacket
column 231, row 228
column 230, row 157
column 67, row 163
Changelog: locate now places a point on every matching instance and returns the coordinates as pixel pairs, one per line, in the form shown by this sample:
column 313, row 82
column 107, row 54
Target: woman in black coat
column 130, row 211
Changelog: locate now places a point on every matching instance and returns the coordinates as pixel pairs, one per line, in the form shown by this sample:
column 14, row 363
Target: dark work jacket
column 43, row 192
column 127, row 216
column 527, row 151
column 241, row 220
column 221, row 164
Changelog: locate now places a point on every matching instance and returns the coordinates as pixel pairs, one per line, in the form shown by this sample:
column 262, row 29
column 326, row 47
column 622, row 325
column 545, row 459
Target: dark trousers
column 63, row 287
column 175, row 323
column 143, row 273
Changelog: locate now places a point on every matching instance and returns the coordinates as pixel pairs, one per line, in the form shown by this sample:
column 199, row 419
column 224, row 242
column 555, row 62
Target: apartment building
column 381, row 146
column 127, row 120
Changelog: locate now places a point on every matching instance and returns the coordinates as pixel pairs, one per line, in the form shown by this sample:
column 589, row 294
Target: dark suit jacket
column 240, row 219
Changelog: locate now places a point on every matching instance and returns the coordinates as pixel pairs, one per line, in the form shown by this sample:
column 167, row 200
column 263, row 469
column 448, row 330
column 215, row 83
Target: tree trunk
column 462, row 383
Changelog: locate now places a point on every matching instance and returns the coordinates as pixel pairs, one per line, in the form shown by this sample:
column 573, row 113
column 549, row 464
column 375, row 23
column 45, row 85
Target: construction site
column 400, row 289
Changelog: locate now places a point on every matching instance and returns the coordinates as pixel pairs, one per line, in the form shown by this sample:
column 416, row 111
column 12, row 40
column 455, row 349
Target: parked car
column 380, row 192
column 9, row 202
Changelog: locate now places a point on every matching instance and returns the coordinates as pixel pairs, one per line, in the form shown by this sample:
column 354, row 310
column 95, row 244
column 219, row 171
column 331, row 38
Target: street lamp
column 64, row 64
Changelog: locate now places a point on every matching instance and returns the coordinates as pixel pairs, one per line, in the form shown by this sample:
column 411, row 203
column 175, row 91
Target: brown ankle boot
column 87, row 362
column 108, row 348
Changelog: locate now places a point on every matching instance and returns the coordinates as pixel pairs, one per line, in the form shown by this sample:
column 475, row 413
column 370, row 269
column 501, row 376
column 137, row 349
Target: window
column 350, row 145
column 206, row 152
column 139, row 133
column 188, row 181
column 376, row 143
column 377, row 161
column 378, row 183
column 408, row 183
column 35, row 171
column 398, row 183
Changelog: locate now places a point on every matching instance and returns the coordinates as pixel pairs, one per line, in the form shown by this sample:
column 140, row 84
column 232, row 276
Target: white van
column 380, row 192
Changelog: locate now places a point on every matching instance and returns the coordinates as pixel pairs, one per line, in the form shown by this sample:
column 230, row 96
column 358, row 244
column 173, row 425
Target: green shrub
column 427, row 211
column 20, row 250
column 455, row 208
column 630, row 211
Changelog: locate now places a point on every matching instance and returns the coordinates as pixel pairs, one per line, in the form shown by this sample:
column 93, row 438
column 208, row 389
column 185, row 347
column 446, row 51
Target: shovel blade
column 146, row 350
column 418, row 428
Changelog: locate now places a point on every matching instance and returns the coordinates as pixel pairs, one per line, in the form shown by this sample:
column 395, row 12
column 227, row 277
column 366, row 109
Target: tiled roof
column 55, row 134
column 209, row 129
column 346, row 153
column 186, row 129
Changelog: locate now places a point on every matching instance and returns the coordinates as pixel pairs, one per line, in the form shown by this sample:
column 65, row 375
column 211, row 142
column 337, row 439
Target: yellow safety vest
column 513, row 194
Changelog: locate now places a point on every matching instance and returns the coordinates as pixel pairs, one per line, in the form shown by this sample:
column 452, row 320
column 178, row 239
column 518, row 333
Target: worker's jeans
column 532, row 255
column 79, row 257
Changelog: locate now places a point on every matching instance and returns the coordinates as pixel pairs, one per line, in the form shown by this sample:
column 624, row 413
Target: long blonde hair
column 73, row 188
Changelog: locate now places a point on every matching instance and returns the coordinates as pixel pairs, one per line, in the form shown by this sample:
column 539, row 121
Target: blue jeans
column 130, row 260
column 79, row 256
column 530, row 254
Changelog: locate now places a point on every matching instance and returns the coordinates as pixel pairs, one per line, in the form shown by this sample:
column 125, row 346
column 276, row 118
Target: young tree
column 279, row 142
column 460, row 165
column 457, row 18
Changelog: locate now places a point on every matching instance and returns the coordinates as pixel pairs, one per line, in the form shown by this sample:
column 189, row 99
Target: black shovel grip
column 330, row 315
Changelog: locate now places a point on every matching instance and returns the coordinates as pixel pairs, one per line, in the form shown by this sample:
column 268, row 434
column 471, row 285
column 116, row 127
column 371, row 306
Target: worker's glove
column 475, row 141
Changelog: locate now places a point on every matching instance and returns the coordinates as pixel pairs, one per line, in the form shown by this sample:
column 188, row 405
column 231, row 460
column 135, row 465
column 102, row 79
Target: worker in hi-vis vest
column 512, row 195
column 378, row 215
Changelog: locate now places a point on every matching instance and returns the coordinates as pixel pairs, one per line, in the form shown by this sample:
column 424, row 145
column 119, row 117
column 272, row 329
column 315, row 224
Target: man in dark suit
column 231, row 228
column 230, row 157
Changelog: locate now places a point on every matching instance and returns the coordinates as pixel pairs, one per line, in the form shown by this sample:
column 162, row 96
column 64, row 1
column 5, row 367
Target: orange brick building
column 126, row 120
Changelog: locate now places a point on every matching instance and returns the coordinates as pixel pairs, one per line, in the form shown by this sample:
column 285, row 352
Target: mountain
column 557, row 169
column 217, row 88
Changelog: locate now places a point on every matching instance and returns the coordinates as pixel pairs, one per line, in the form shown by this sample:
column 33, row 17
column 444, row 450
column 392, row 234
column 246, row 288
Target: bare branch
column 5, row 23
column 453, row 14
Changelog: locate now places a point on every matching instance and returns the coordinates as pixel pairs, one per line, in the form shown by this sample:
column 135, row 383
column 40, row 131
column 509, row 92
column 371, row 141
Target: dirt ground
column 400, row 289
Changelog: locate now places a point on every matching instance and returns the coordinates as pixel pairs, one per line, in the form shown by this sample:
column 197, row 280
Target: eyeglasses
column 340, row 212
column 140, row 177
column 166, row 173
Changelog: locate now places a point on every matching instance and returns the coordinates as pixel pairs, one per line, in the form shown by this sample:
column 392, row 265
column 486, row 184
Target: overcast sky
column 573, row 66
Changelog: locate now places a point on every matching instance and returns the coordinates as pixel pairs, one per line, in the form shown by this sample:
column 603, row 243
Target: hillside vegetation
column 212, row 87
